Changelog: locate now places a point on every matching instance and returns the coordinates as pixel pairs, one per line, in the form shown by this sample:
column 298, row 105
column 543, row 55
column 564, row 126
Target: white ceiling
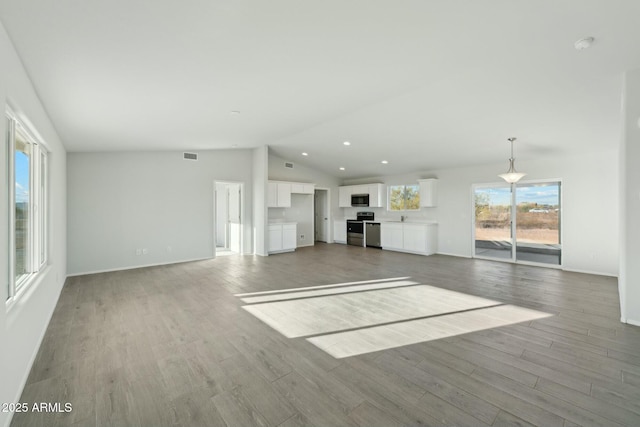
column 421, row 83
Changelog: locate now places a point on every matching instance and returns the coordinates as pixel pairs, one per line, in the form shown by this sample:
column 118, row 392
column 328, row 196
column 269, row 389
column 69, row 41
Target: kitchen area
column 365, row 214
column 402, row 231
column 290, row 215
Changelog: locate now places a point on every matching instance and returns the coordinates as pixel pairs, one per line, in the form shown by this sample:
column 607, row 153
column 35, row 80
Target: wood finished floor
column 171, row 346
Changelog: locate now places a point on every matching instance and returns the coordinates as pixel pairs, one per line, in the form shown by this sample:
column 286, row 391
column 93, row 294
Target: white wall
column 260, row 164
column 590, row 205
column 120, row 202
column 629, row 282
column 221, row 214
column 22, row 326
column 301, row 173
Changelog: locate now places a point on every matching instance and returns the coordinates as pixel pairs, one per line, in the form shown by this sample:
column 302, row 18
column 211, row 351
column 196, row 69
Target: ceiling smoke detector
column 584, row 43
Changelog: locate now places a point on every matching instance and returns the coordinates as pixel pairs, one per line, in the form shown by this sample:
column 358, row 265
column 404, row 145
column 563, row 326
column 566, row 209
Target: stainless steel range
column 355, row 228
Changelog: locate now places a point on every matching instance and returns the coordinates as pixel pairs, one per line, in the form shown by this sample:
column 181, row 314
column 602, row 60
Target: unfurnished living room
column 330, row 213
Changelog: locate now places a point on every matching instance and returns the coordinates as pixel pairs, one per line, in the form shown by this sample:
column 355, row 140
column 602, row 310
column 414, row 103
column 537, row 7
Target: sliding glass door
column 493, row 222
column 538, row 223
column 519, row 222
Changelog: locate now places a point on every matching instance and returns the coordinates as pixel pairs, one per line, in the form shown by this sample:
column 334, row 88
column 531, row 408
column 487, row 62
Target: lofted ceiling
column 423, row 84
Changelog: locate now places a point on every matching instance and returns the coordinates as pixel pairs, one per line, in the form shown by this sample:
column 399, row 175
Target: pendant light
column 512, row 175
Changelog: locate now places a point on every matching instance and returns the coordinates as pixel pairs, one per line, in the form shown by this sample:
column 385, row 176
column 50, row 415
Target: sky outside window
column 546, row 194
column 23, row 157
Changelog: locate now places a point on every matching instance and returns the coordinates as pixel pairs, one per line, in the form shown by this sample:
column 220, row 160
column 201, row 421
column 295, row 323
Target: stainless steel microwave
column 360, row 200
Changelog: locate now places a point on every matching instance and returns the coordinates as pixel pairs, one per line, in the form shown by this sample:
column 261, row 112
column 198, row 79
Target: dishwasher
column 372, row 234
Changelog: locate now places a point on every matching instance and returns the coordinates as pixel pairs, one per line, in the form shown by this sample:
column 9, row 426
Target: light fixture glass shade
column 512, row 175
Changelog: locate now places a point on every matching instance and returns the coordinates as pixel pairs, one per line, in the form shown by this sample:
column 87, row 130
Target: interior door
column 493, row 222
column 321, row 219
column 234, row 218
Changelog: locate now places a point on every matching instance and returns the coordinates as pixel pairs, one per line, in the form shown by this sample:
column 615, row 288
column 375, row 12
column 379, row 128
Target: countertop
column 393, row 221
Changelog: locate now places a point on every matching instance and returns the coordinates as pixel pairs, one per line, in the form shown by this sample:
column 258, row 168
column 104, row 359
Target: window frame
column 404, row 192
column 37, row 256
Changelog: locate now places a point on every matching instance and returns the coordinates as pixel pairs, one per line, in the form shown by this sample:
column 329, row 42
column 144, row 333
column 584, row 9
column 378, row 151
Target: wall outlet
column 138, row 251
column 302, row 237
column 169, row 249
column 145, row 251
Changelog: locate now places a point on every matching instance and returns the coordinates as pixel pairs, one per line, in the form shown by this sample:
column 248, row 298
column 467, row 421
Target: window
column 404, row 197
column 27, row 168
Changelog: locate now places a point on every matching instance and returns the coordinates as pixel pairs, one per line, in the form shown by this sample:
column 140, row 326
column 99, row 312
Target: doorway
column 518, row 222
column 321, row 215
column 228, row 218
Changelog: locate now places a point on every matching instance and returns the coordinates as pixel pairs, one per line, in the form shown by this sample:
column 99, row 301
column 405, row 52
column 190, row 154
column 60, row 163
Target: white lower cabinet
column 391, row 236
column 275, row 238
column 340, row 231
column 406, row 237
column 282, row 237
column 414, row 237
column 289, row 237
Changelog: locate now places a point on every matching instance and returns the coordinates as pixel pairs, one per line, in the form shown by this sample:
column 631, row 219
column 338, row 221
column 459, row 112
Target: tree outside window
column 404, row 197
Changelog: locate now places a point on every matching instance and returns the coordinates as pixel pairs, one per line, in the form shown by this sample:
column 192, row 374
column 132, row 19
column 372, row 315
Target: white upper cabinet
column 279, row 195
column 376, row 195
column 272, row 195
column 301, row 188
column 279, row 192
column 359, row 189
column 428, row 192
column 284, row 195
column 344, row 196
column 375, row 191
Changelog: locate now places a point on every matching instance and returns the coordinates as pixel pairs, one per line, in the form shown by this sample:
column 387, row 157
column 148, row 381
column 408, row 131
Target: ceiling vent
column 288, row 165
column 190, row 156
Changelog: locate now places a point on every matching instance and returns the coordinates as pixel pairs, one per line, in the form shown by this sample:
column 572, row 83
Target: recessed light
column 584, row 43
column 346, row 143
column 341, row 169
column 384, row 162
column 305, row 154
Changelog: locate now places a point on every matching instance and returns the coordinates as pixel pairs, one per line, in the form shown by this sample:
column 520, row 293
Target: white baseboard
column 596, row 273
column 109, row 270
column 455, row 255
column 631, row 322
